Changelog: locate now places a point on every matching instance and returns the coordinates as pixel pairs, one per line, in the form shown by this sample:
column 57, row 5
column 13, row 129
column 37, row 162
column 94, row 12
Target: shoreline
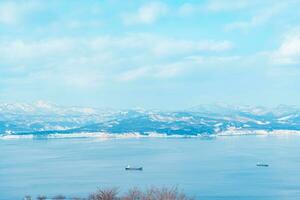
column 105, row 136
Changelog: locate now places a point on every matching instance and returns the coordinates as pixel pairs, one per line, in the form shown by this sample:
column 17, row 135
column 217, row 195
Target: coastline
column 104, row 136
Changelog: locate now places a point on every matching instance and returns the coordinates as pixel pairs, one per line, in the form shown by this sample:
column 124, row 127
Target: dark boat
column 262, row 165
column 134, row 168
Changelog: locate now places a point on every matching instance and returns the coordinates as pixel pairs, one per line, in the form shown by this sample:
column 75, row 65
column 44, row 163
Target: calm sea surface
column 206, row 168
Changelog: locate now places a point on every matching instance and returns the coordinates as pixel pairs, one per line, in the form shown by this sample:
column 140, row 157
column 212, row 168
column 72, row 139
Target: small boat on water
column 134, row 168
column 262, row 165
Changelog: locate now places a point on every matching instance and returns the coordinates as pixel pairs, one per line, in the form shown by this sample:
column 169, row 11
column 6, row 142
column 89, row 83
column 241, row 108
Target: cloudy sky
column 152, row 54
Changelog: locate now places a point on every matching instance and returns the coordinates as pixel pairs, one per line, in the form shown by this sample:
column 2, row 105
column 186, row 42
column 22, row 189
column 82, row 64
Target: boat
column 262, row 165
column 134, row 168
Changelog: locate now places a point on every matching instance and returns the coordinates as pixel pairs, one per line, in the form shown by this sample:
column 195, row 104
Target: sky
column 151, row 54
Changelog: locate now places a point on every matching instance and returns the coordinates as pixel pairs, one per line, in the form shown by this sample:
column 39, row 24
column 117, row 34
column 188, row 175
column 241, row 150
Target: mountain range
column 42, row 119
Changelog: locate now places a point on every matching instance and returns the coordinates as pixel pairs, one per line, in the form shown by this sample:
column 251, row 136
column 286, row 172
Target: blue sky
column 152, row 54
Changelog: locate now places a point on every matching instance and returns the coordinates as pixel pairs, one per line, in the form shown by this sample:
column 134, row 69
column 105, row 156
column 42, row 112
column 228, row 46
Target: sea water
column 206, row 168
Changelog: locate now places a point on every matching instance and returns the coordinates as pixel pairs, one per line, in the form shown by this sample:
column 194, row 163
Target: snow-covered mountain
column 43, row 118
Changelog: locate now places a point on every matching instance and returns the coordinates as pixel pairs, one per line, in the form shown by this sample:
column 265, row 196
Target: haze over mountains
column 42, row 119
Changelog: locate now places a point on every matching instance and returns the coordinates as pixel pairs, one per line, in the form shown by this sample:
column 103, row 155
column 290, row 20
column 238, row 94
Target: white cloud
column 216, row 6
column 133, row 74
column 12, row 12
column 71, row 77
column 187, row 9
column 15, row 50
column 262, row 17
column 289, row 50
column 173, row 46
column 20, row 49
column 179, row 67
column 163, row 46
column 159, row 71
column 172, row 69
column 71, row 24
column 146, row 14
column 8, row 13
column 85, row 79
column 88, row 62
column 225, row 5
column 213, row 59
